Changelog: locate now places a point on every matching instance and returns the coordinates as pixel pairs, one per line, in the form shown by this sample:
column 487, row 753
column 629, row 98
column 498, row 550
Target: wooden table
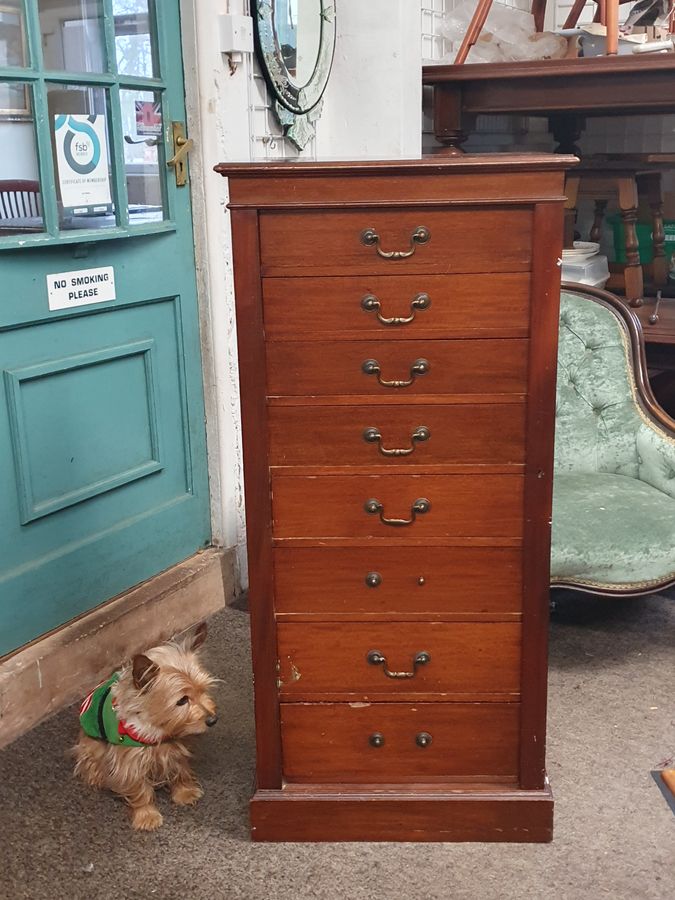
column 567, row 91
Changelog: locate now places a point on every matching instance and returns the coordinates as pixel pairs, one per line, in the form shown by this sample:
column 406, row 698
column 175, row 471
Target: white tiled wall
column 493, row 133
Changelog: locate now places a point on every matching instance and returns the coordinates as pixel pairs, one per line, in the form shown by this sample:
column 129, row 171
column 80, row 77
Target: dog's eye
column 182, row 701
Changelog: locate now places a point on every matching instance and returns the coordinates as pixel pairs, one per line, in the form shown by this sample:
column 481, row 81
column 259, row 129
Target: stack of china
column 583, row 264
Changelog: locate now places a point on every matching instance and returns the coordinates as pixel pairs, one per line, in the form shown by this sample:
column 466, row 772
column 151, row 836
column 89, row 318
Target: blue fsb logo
column 81, row 145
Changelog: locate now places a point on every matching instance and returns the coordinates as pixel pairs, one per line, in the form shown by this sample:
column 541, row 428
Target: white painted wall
column 19, row 158
column 371, row 109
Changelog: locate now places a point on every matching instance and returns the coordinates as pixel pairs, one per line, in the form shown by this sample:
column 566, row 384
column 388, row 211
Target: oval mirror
column 295, row 42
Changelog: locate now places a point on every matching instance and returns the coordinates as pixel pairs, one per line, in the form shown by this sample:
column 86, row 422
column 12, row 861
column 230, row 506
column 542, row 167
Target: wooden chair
column 608, row 14
column 19, row 199
column 627, row 177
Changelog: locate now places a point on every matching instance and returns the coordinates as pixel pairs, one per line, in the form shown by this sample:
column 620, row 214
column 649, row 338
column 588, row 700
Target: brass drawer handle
column 372, row 367
column 370, row 303
column 375, row 658
column 423, row 739
column 373, row 436
column 371, row 238
column 420, row 506
column 376, row 739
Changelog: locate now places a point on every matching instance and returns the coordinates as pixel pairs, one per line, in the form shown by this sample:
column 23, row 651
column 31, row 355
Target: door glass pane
column 72, row 35
column 13, row 48
column 134, row 38
column 143, row 154
column 20, row 201
column 78, row 118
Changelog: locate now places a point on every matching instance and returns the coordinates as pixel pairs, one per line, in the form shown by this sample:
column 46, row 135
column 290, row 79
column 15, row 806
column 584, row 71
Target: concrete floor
column 611, row 721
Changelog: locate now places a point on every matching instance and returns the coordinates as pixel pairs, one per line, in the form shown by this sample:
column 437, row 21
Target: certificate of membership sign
column 82, row 158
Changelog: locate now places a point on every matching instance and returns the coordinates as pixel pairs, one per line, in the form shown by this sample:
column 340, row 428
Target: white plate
column 580, row 251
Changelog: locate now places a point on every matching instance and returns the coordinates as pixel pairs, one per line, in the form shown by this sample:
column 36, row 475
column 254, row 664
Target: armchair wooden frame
column 647, row 403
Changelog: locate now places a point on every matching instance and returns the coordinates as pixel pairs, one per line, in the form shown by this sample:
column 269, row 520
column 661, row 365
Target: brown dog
column 134, row 723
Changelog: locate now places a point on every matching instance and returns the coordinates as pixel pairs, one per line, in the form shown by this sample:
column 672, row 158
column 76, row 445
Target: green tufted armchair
column 614, row 484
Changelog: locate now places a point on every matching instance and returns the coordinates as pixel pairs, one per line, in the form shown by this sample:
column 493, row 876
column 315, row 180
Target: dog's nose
column 211, row 720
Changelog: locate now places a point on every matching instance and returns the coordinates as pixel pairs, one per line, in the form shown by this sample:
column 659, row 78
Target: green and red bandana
column 99, row 720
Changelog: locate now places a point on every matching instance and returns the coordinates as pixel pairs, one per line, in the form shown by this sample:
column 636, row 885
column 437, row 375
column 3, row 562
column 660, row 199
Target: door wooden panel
column 479, row 434
column 334, row 506
column 331, row 742
column 333, row 581
column 459, row 305
column 465, row 658
column 299, row 368
column 313, row 243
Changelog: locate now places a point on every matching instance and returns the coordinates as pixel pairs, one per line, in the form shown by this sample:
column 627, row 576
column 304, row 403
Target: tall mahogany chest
column 397, row 326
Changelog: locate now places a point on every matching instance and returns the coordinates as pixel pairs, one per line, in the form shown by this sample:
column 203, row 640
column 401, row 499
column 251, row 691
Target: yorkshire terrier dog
column 134, row 724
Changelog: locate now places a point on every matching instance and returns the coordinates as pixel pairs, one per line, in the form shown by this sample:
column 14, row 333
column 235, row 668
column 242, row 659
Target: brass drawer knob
column 370, row 303
column 375, row 658
column 419, row 367
column 373, row 579
column 373, row 436
column 419, row 507
column 371, row 238
column 423, row 739
column 376, row 739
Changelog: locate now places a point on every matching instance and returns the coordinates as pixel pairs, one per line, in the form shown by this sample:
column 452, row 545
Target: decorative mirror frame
column 297, row 107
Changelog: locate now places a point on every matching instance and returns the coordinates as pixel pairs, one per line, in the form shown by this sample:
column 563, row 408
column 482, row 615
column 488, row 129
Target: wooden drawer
column 459, row 305
column 454, row 580
column 334, row 506
column 330, row 243
column 331, row 742
column 480, row 434
column 318, row 368
column 465, row 658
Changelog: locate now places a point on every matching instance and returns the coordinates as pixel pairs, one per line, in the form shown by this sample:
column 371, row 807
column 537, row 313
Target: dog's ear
column 199, row 636
column 144, row 670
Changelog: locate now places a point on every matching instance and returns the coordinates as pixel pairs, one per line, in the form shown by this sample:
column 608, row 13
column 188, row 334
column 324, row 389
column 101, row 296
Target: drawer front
column 327, row 580
column 389, row 742
column 464, row 657
column 332, row 243
column 396, row 368
column 335, row 506
column 480, row 434
column 450, row 305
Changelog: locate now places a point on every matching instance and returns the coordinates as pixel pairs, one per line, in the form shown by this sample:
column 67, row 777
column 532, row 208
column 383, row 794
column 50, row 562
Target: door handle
column 181, row 148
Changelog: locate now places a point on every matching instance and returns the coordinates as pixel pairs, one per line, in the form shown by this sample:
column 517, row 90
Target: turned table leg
column 571, row 193
column 566, row 130
column 598, row 219
column 628, row 203
column 651, row 185
column 448, row 119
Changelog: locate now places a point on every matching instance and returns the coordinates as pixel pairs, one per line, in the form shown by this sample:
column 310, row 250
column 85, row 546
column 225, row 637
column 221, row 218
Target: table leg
column 566, row 129
column 651, row 185
column 575, row 12
column 628, row 203
column 612, row 21
column 448, row 119
column 473, row 31
column 598, row 219
column 538, row 11
column 571, row 193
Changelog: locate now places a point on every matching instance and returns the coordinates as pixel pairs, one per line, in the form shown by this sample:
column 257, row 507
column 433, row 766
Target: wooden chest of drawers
column 397, row 327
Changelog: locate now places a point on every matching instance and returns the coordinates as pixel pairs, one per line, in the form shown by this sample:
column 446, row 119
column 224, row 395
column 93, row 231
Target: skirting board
column 48, row 674
column 318, row 814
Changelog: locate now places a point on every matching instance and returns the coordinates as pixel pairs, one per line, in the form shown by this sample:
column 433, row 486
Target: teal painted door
column 103, row 479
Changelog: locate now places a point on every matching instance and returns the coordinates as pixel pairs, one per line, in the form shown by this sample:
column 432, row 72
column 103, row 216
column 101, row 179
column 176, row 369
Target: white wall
column 371, row 109
column 19, row 158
